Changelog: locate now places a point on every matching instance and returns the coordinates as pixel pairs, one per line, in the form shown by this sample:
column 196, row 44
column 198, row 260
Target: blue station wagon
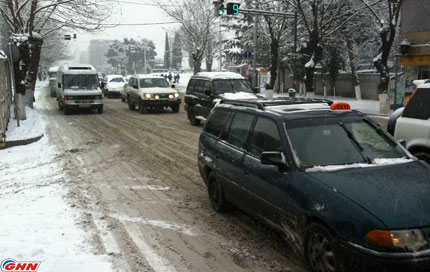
column 346, row 195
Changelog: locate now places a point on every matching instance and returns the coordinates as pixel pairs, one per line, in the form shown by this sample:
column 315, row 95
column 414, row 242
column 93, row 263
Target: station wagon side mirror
column 256, row 90
column 59, row 85
column 208, row 92
column 402, row 142
column 273, row 158
column 135, row 86
column 173, row 86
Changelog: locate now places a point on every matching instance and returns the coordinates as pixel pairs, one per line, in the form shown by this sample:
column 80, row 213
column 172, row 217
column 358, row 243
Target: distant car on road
column 78, row 88
column 146, row 92
column 112, row 85
column 345, row 194
column 52, row 72
column 206, row 88
column 412, row 123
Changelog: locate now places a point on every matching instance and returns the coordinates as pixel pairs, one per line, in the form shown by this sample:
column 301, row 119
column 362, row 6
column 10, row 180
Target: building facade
column 97, row 54
column 414, row 48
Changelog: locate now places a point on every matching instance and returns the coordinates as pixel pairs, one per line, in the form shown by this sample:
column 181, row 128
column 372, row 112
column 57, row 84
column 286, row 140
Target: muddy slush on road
column 135, row 179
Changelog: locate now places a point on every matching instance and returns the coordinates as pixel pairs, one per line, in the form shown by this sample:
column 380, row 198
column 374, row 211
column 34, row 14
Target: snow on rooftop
column 225, row 75
column 53, row 69
column 114, row 76
column 375, row 162
column 299, row 107
column 2, row 55
column 422, row 83
column 148, row 76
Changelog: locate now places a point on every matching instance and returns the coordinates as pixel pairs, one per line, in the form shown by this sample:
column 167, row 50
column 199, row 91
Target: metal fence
column 5, row 98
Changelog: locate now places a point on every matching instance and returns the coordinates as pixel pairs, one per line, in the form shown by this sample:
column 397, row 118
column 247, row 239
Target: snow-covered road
column 38, row 223
column 131, row 183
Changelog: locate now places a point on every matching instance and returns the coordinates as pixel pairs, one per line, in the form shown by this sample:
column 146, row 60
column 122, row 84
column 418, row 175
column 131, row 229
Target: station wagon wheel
column 60, row 106
column 130, row 104
column 216, row 194
column 321, row 250
column 175, row 108
column 192, row 117
column 142, row 108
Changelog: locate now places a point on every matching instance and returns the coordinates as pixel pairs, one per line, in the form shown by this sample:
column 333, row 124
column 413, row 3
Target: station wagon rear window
column 117, row 79
column 339, row 141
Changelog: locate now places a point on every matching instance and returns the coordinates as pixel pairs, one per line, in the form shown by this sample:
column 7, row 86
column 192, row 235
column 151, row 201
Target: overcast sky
column 143, row 12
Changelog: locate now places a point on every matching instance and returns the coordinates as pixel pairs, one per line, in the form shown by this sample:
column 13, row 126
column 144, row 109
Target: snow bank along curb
column 29, row 131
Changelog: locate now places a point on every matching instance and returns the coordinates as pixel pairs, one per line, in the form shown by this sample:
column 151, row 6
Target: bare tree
column 322, row 20
column 275, row 28
column 197, row 25
column 31, row 21
column 387, row 14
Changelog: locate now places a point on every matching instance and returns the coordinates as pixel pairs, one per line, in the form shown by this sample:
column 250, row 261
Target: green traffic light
column 221, row 12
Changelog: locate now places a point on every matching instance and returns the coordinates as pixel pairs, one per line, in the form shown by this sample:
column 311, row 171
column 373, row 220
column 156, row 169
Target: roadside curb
column 9, row 144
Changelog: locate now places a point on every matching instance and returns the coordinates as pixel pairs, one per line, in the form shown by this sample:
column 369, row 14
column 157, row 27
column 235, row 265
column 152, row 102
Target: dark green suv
column 346, row 195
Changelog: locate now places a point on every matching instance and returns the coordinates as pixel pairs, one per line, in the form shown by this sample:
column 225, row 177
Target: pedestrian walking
column 170, row 78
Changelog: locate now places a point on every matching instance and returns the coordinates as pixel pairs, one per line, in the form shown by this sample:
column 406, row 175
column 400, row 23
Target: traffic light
column 233, row 8
column 219, row 7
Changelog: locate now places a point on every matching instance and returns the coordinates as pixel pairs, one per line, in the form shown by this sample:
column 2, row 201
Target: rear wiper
column 354, row 141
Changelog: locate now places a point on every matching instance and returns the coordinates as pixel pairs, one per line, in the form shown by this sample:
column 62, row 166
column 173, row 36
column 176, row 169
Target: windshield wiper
column 354, row 141
column 380, row 132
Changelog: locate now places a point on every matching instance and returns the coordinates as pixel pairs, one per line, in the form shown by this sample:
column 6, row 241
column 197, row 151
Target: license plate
column 84, row 101
column 84, row 105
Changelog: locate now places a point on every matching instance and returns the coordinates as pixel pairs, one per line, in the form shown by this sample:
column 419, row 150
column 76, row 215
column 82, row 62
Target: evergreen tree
column 177, row 51
column 167, row 60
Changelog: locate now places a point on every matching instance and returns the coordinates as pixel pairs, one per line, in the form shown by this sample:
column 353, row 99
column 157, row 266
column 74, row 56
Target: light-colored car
column 53, row 80
column 112, row 85
column 413, row 126
column 78, row 87
column 148, row 92
column 124, row 89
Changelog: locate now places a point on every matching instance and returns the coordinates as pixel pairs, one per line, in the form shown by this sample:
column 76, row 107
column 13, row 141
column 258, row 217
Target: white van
column 78, row 87
column 52, row 72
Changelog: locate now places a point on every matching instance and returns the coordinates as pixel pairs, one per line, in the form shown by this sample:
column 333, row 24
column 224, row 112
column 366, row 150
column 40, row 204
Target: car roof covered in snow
column 77, row 69
column 288, row 108
column 147, row 76
column 114, row 76
column 2, row 55
column 218, row 75
column 53, row 69
column 423, row 85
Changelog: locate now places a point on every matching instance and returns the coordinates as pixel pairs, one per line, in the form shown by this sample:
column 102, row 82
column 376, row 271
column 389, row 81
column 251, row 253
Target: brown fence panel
column 5, row 99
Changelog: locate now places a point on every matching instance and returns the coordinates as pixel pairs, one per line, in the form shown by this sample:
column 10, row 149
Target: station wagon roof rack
column 261, row 104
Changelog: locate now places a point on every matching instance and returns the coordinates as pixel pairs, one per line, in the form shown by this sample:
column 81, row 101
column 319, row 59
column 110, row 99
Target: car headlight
column 157, row 97
column 412, row 238
column 148, row 95
column 176, row 95
column 171, row 96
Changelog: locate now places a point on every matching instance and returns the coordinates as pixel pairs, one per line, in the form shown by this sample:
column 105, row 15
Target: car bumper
column 84, row 104
column 359, row 258
column 161, row 102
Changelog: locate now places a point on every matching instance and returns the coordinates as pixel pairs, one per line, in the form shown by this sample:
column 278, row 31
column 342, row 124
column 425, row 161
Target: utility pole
column 254, row 57
column 295, row 50
column 220, row 47
column 144, row 58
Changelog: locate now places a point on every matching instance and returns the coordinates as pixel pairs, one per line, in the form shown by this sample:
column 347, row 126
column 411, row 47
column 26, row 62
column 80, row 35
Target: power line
column 143, row 4
column 131, row 24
